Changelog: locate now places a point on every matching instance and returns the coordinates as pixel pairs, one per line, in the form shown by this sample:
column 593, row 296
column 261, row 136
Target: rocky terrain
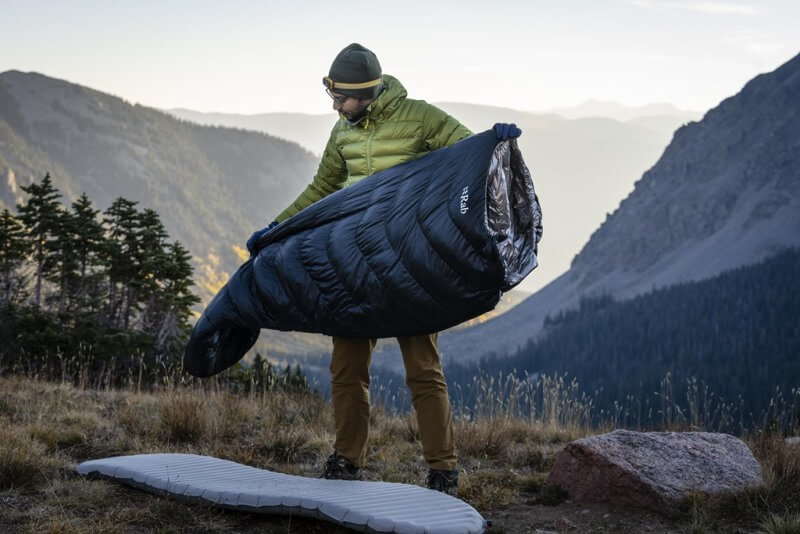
column 725, row 193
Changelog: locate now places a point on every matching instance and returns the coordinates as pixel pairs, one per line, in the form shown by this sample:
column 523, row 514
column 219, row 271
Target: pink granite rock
column 654, row 470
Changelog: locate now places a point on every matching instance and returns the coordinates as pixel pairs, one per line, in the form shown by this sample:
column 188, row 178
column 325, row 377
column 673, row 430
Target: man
column 379, row 128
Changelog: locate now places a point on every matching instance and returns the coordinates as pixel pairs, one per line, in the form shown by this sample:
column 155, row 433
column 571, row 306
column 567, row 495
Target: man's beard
column 359, row 113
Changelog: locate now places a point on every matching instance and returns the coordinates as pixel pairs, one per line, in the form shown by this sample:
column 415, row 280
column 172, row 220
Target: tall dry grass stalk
column 558, row 403
column 539, row 399
column 547, row 401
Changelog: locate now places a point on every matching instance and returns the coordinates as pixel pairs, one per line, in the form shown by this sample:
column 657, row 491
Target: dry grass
column 184, row 418
column 23, row 460
column 46, row 429
column 776, row 524
column 489, row 489
column 776, row 503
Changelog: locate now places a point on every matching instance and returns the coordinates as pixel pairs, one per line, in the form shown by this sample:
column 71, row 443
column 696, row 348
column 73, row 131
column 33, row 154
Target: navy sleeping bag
column 412, row 250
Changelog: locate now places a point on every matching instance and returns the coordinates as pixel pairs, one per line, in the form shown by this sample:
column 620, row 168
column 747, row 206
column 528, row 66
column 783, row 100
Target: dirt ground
column 519, row 517
column 571, row 517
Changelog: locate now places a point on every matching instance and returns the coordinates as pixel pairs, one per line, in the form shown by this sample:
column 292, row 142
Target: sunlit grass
column 506, row 441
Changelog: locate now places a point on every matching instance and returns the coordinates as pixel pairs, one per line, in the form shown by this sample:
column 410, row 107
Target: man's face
column 349, row 106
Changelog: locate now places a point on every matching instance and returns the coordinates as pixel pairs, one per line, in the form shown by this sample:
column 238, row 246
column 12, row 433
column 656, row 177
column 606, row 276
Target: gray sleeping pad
column 363, row 506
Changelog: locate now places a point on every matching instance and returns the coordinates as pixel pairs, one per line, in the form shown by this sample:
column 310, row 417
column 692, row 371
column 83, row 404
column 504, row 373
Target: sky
column 262, row 56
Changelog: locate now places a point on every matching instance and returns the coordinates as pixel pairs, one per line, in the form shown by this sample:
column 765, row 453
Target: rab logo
column 464, row 198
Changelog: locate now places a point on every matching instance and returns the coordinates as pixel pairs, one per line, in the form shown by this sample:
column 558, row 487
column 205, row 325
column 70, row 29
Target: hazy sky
column 249, row 57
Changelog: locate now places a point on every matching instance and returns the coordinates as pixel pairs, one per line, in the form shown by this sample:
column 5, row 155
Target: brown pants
column 350, row 391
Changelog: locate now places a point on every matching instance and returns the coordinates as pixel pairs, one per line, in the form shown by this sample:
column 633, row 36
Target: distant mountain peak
column 621, row 112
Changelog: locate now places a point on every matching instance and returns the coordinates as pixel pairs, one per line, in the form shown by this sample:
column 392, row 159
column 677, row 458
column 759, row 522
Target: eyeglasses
column 338, row 99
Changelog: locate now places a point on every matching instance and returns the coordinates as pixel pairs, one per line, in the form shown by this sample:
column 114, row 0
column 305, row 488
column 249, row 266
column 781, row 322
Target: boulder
column 654, row 470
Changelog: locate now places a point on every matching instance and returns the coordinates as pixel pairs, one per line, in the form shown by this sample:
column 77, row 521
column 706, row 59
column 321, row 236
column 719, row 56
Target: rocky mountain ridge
column 725, row 193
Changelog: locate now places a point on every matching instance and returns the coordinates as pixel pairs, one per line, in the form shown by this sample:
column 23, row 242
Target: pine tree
column 14, row 249
column 111, row 275
column 64, row 257
column 90, row 235
column 152, row 260
column 119, row 257
column 177, row 283
column 174, row 300
column 40, row 216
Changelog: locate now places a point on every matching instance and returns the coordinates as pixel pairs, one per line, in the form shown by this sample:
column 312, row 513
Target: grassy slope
column 46, row 429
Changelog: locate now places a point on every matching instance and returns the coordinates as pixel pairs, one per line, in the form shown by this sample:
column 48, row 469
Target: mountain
column 212, row 186
column 309, row 131
column 737, row 333
column 620, row 112
column 588, row 164
column 725, row 193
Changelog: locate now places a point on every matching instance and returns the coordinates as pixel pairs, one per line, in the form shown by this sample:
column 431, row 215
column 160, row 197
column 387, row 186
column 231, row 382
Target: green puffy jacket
column 394, row 130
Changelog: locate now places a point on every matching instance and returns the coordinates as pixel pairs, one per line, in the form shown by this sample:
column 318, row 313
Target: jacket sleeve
column 331, row 174
column 441, row 129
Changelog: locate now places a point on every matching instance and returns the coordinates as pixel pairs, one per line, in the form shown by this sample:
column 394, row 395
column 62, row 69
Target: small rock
column 606, row 516
column 564, row 524
column 791, row 442
column 585, row 511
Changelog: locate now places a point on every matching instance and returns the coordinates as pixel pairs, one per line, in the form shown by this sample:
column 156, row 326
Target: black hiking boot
column 340, row 468
column 444, row 480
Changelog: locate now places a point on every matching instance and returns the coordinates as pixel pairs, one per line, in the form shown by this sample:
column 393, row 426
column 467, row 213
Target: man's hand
column 505, row 131
column 251, row 243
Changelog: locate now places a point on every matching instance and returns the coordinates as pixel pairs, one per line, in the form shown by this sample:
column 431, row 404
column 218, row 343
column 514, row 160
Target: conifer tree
column 64, row 258
column 40, row 216
column 90, row 234
column 14, row 249
column 178, row 281
column 119, row 256
column 152, row 261
column 120, row 270
column 165, row 282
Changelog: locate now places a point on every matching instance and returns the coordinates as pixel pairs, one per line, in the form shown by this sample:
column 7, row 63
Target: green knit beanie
column 355, row 72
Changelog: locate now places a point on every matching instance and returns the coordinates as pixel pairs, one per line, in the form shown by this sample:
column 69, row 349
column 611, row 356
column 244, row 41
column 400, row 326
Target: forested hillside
column 101, row 298
column 737, row 333
column 211, row 186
